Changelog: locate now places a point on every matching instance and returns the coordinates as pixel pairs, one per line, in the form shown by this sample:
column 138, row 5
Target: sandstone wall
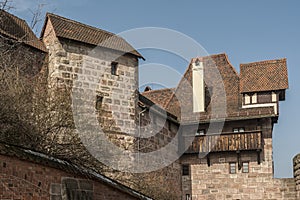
column 215, row 181
column 296, row 162
column 81, row 67
column 164, row 183
column 78, row 66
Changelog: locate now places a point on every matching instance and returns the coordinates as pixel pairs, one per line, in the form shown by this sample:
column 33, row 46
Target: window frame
column 253, row 98
column 200, row 132
column 239, row 129
column 230, row 167
column 114, row 67
column 99, row 102
column 243, row 168
column 185, row 170
column 188, row 197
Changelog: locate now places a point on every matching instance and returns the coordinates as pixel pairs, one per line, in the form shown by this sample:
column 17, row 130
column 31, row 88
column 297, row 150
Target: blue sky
column 246, row 31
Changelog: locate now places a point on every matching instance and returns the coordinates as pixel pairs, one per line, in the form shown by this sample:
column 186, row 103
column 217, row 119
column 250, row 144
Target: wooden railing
column 226, row 142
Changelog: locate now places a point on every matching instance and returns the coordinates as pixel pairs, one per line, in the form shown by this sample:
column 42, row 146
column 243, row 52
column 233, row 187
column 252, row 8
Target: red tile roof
column 18, row 30
column 267, row 75
column 179, row 101
column 159, row 97
column 73, row 30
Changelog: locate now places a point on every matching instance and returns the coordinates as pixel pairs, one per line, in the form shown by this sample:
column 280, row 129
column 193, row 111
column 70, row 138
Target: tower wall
column 296, row 162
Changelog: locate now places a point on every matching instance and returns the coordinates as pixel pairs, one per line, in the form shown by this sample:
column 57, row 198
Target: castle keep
column 223, row 121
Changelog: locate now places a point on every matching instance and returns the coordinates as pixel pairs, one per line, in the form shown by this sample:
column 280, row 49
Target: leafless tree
column 6, row 5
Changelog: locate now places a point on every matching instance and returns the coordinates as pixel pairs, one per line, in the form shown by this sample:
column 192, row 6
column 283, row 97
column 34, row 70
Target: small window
column 197, row 63
column 274, row 97
column 99, row 100
column 250, row 98
column 232, row 168
column 185, row 170
column 76, row 189
column 239, row 130
column 247, row 99
column 200, row 132
column 114, row 66
column 188, row 197
column 245, row 167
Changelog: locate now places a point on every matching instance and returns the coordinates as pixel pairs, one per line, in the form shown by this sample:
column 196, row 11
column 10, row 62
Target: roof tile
column 173, row 99
column 267, row 75
column 73, row 30
column 17, row 29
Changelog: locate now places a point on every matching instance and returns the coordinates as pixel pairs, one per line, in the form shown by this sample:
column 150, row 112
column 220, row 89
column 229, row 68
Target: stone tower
column 81, row 57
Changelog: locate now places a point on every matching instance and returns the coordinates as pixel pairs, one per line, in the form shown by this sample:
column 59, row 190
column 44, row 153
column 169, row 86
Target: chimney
column 198, row 86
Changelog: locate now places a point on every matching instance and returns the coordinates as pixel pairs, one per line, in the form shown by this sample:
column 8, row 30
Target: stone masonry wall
column 79, row 66
column 83, row 67
column 164, row 183
column 215, row 181
column 296, row 162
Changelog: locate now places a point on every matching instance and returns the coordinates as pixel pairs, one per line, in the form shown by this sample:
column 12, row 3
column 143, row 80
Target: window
column 188, row 197
column 254, row 98
column 200, row 132
column 250, row 98
column 99, row 100
column 197, row 63
column 232, row 168
column 245, row 167
column 185, row 170
column 247, row 99
column 76, row 189
column 274, row 97
column 114, row 66
column 239, row 130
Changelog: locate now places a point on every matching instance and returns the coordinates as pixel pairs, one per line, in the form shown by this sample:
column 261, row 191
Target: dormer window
column 250, row 98
column 238, row 130
column 200, row 132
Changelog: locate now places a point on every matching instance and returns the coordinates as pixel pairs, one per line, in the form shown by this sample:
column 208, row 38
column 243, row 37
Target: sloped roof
column 179, row 101
column 264, row 76
column 73, row 30
column 41, row 158
column 17, row 29
column 159, row 97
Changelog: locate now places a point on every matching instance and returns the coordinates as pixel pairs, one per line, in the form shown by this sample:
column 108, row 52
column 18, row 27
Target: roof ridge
column 157, row 90
column 78, row 31
column 28, row 38
column 264, row 61
column 1, row 10
column 80, row 23
column 209, row 56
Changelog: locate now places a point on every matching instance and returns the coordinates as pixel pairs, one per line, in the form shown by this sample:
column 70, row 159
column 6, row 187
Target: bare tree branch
column 36, row 16
column 6, row 5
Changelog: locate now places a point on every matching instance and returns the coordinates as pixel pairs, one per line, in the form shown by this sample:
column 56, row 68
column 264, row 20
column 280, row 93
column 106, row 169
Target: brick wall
column 21, row 179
